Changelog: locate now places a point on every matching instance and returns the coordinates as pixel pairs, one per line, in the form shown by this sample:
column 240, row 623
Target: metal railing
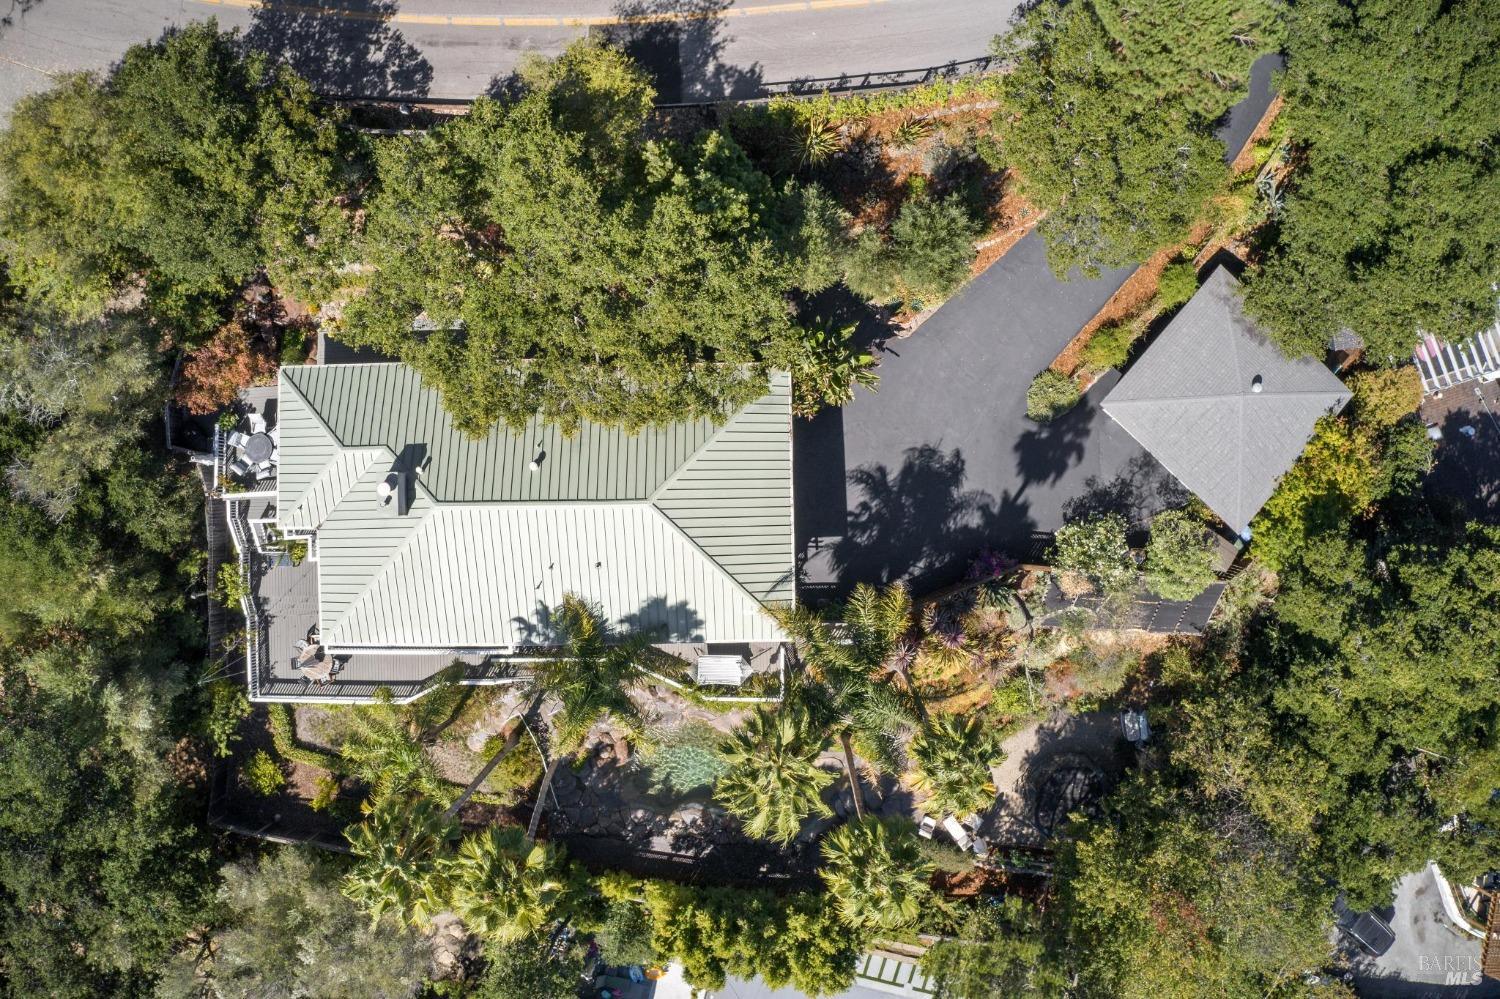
column 239, row 532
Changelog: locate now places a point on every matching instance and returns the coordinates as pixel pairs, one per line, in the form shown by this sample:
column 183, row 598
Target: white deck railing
column 239, row 531
column 1444, row 365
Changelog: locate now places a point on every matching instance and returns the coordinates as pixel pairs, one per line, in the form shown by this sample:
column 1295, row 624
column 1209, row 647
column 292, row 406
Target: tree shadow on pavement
column 356, row 53
column 15, row 9
column 680, row 44
column 1142, row 489
column 1044, row 454
column 918, row 523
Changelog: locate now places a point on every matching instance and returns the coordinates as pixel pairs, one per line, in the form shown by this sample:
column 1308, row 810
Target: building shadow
column 356, row 54
column 680, row 44
column 1465, row 472
column 1141, row 490
column 665, row 622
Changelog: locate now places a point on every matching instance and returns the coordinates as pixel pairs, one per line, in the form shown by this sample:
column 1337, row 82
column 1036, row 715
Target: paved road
column 698, row 49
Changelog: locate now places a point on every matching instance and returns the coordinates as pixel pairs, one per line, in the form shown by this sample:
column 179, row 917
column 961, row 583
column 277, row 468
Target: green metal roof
column 685, row 531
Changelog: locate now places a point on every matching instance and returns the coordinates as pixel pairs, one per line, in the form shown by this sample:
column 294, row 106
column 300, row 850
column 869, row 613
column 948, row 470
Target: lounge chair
column 926, row 826
column 959, row 833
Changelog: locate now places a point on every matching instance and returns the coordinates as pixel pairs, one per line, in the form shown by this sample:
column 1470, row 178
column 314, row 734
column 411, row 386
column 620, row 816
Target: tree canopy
column 1108, row 116
column 1391, row 223
column 544, row 255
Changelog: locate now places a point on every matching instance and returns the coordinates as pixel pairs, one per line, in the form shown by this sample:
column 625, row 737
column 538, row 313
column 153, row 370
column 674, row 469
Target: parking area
column 1430, row 959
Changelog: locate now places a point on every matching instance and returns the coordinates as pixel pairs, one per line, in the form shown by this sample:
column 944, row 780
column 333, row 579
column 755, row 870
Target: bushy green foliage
column 230, row 586
column 284, row 929
column 228, row 706
column 1050, row 394
column 263, row 774
column 875, row 874
column 1095, row 549
column 1155, row 903
column 922, row 260
column 284, row 737
column 1108, row 117
column 1336, row 479
column 999, row 949
column 521, row 768
column 1391, row 221
column 1177, row 284
column 568, row 265
column 1108, row 347
column 797, row 940
column 1179, row 556
column 1312, row 722
column 953, row 759
column 625, row 935
column 826, row 369
column 194, row 163
column 89, row 387
column 527, row 969
column 773, row 781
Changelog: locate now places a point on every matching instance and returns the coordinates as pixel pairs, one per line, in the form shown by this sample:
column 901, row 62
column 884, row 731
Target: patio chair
column 263, row 471
column 926, row 826
column 239, row 467
column 237, row 440
column 257, row 423
column 972, row 824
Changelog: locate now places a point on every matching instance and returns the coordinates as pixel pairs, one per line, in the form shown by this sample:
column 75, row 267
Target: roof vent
column 1257, row 384
column 536, row 463
column 390, row 494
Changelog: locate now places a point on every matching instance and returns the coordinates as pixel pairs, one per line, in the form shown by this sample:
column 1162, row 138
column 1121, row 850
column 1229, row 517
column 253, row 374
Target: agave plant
column 911, row 131
column 505, row 888
column 876, row 874
column 400, row 849
column 773, row 781
column 816, row 139
column 593, row 676
column 953, row 758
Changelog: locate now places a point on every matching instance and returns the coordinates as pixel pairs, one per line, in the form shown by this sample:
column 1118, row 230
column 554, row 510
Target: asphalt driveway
column 908, row 482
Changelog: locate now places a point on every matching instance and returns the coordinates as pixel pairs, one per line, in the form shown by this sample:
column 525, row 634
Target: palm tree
column 400, row 847
column 853, row 659
column 593, row 676
column 875, row 874
column 382, row 751
column 773, row 781
column 505, row 888
column 953, row 759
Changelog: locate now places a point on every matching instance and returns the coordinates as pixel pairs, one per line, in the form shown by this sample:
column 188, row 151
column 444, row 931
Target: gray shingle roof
column 1189, row 401
column 684, row 530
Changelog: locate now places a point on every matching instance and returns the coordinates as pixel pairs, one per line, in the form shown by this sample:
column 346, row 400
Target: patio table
column 258, row 448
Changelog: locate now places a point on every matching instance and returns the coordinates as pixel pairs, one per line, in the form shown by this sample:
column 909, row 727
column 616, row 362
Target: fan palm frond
column 773, row 782
column 876, row 875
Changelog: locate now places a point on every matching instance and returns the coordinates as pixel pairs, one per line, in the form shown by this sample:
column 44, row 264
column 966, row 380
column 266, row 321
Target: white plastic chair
column 257, row 423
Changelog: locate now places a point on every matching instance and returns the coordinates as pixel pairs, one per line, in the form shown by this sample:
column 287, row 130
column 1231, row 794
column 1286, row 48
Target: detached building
column 423, row 545
column 1219, row 405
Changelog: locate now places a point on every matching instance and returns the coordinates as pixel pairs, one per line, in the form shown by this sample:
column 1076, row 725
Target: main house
column 392, row 544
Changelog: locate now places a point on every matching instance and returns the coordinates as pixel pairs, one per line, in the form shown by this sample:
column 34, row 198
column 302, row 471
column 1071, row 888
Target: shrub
column 911, row 131
column 213, row 375
column 1096, row 549
column 1384, row 397
column 284, row 738
column 325, row 792
column 625, row 936
column 1050, row 395
column 228, row 706
column 231, row 587
column 925, row 258
column 296, row 345
column 1108, row 347
column 520, row 769
column 1179, row 556
column 1178, row 283
column 263, row 774
column 827, row 368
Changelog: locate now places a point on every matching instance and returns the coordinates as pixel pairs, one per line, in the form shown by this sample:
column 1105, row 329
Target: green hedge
column 836, row 109
column 284, row 736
